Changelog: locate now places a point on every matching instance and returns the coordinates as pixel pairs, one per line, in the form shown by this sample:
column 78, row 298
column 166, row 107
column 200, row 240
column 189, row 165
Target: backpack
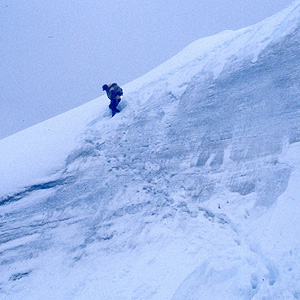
column 117, row 89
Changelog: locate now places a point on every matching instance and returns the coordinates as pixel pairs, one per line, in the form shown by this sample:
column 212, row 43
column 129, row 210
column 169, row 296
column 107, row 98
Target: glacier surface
column 191, row 192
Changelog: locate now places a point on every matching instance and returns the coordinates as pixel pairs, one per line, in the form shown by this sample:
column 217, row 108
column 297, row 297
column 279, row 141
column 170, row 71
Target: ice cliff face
column 192, row 192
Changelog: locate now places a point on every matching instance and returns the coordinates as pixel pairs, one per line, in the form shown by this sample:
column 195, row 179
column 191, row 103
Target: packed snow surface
column 191, row 192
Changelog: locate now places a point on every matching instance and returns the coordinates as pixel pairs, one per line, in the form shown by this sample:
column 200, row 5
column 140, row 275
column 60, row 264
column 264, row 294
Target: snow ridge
column 191, row 192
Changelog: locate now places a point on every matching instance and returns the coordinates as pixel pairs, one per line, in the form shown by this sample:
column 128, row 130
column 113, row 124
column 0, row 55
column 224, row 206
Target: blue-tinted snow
column 191, row 192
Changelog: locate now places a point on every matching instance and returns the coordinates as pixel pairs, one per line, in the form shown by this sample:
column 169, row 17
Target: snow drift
column 192, row 192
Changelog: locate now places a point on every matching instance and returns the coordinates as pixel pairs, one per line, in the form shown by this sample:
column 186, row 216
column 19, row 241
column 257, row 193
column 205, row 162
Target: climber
column 114, row 93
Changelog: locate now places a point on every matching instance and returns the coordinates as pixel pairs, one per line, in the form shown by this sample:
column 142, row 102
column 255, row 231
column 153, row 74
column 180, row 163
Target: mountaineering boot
column 114, row 111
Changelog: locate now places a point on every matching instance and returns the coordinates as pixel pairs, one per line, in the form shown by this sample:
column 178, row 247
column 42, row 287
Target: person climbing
column 114, row 93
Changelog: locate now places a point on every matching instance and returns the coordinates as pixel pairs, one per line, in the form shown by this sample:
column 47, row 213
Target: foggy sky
column 56, row 54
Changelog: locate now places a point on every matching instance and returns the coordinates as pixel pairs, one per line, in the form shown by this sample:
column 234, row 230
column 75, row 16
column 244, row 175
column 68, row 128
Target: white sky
column 56, row 54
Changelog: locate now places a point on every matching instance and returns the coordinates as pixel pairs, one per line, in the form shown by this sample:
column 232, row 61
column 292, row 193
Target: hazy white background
column 56, row 54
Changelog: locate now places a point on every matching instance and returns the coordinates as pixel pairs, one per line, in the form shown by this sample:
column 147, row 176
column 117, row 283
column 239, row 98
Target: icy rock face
column 177, row 197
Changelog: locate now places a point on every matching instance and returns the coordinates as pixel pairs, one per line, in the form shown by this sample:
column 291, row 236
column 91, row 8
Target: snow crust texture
column 190, row 193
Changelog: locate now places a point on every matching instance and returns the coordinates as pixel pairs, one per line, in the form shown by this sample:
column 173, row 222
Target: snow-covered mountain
column 191, row 192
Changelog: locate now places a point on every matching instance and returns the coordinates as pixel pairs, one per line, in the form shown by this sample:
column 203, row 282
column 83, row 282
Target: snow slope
column 191, row 192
